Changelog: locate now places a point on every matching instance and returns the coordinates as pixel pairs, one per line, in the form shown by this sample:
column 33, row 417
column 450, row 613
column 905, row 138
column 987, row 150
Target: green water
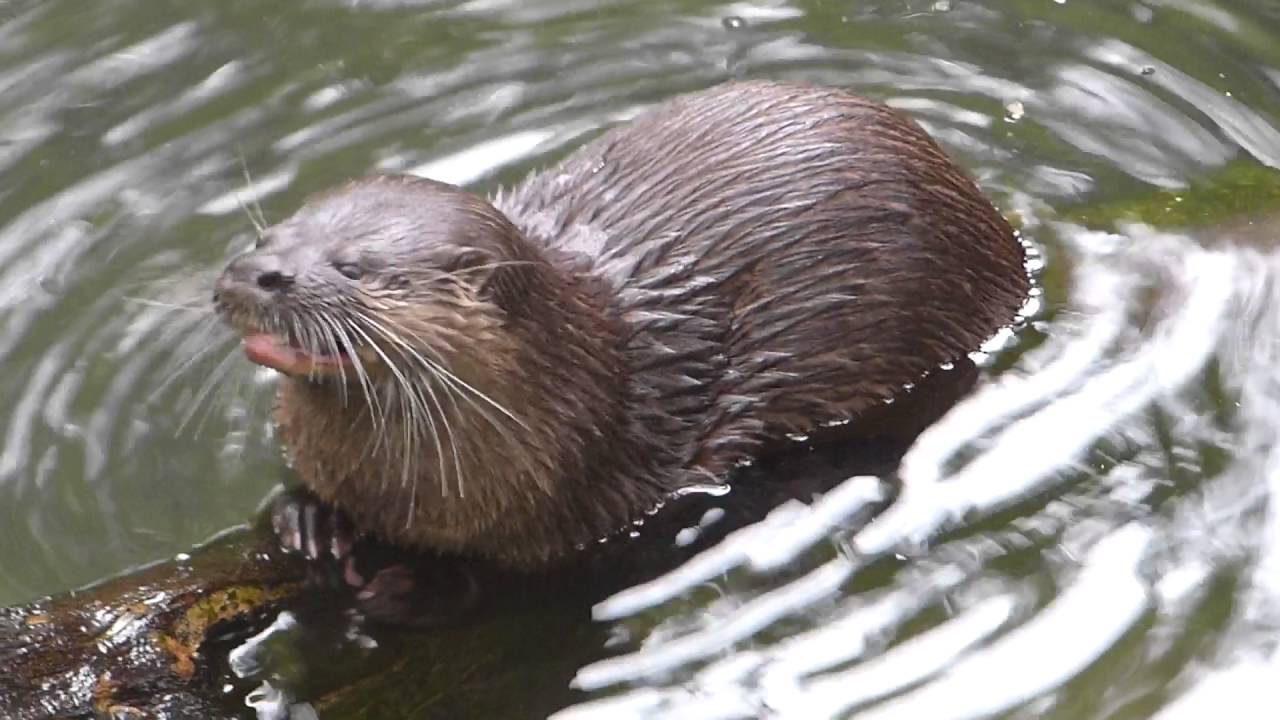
column 127, row 130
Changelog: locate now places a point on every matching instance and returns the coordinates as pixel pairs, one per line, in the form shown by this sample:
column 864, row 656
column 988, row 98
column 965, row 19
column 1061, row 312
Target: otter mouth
column 290, row 357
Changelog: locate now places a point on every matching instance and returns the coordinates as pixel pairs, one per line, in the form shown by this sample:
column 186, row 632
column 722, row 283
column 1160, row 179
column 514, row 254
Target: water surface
column 1093, row 535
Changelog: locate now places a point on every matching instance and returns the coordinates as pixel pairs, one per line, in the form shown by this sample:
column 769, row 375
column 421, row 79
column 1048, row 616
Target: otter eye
column 349, row 270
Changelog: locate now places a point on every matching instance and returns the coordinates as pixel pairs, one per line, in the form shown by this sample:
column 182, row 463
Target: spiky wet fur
column 734, row 265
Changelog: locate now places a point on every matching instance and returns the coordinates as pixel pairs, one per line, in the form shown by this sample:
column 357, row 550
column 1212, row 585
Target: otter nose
column 262, row 269
column 274, row 280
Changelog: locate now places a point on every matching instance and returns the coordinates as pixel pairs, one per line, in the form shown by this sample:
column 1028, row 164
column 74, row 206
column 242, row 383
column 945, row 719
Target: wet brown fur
column 734, row 265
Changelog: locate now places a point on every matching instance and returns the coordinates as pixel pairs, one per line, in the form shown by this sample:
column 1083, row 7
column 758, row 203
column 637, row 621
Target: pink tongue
column 265, row 350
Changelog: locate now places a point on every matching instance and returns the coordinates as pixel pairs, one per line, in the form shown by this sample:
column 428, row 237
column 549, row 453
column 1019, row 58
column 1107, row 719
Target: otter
column 515, row 378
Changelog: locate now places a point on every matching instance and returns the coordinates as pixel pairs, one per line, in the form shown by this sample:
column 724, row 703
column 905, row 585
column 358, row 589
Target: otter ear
column 503, row 284
column 479, row 268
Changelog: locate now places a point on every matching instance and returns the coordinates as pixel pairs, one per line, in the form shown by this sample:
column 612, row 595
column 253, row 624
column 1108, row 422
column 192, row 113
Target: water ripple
column 1110, row 492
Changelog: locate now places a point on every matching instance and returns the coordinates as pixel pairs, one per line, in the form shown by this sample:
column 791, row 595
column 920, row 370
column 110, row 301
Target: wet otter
column 516, row 378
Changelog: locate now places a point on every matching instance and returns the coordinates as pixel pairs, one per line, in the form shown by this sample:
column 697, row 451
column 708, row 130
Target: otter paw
column 417, row 593
column 305, row 524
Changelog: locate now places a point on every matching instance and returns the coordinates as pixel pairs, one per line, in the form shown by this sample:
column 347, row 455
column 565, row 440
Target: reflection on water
column 1090, row 534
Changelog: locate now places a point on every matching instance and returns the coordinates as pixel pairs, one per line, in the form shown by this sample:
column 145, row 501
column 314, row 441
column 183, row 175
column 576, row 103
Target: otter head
column 387, row 278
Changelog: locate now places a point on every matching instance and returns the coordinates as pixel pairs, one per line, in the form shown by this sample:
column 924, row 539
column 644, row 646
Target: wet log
column 161, row 642
column 132, row 646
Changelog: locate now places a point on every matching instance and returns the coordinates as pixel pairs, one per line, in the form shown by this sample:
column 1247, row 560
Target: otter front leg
column 390, row 584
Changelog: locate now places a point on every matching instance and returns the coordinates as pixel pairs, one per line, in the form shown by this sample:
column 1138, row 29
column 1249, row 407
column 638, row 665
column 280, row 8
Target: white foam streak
column 1105, row 601
column 787, row 531
column 752, row 617
column 481, row 159
column 908, row 664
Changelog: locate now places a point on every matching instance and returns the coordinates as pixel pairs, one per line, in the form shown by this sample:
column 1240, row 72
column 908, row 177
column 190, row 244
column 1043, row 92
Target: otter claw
column 304, row 524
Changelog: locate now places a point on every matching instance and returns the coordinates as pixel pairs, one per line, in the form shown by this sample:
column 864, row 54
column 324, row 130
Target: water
column 1093, row 534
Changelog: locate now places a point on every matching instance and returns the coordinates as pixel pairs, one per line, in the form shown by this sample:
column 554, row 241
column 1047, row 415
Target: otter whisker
column 411, row 403
column 446, row 380
column 216, row 376
column 362, row 376
column 327, row 344
column 439, row 367
column 381, row 413
column 405, row 386
column 421, row 412
column 437, row 372
column 457, row 455
column 194, row 357
column 150, row 302
column 453, row 444
column 296, row 332
column 260, row 222
column 435, row 437
column 259, row 227
column 188, row 351
column 456, row 274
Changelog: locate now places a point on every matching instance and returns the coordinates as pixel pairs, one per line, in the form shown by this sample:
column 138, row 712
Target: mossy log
column 130, row 646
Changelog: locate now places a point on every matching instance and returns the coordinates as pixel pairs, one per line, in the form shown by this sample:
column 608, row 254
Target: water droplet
column 733, row 22
column 1147, row 70
column 1014, row 111
column 942, row 6
column 712, row 490
column 947, row 366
